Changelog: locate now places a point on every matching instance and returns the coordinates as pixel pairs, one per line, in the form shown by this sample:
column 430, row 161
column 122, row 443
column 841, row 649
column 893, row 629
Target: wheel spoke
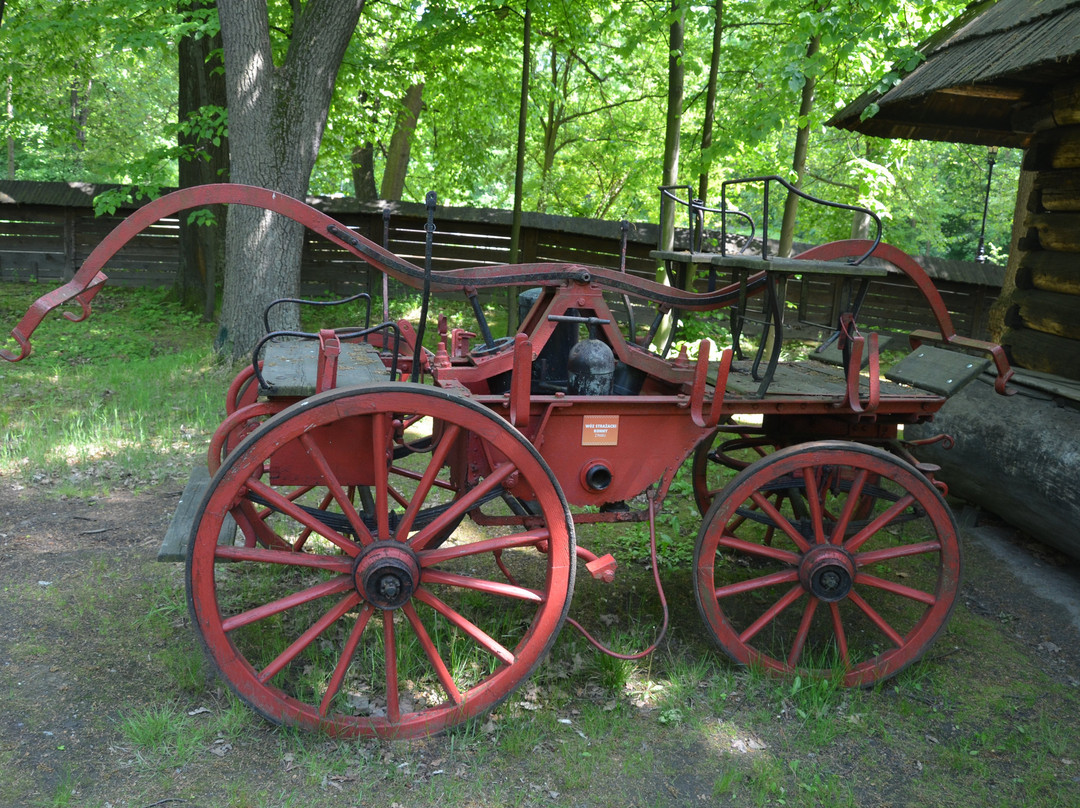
column 336, row 490
column 780, row 521
column 482, row 585
column 347, row 653
column 803, row 632
column 772, row 612
column 305, row 639
column 900, row 551
column 445, row 677
column 408, row 474
column 530, row 538
column 306, row 533
column 879, row 524
column 294, row 511
column 423, row 488
column 257, row 529
column 459, row 507
column 814, row 500
column 466, row 625
column 877, row 619
column 896, row 588
column 261, row 555
column 333, row 586
column 397, row 496
column 759, row 550
column 839, row 634
column 393, row 695
column 741, row 587
column 380, row 432
column 850, row 503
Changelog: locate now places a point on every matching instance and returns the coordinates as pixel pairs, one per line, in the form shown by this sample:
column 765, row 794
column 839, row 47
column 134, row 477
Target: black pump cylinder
column 591, row 369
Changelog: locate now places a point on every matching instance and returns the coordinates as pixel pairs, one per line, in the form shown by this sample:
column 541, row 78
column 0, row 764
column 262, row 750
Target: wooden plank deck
column 806, row 380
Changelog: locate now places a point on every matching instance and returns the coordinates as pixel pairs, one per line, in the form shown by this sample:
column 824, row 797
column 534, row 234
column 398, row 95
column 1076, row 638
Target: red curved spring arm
column 906, row 264
column 89, row 278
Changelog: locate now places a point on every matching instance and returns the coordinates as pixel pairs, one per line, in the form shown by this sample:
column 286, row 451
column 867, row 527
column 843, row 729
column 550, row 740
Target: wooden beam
column 1048, row 353
column 985, row 91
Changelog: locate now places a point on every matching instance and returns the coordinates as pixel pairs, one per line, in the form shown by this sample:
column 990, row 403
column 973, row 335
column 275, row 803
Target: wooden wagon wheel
column 323, row 615
column 732, row 448
column 845, row 587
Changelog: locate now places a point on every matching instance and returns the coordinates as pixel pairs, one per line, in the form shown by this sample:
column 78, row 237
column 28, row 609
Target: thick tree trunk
column 276, row 120
column 202, row 247
column 397, row 155
column 798, row 161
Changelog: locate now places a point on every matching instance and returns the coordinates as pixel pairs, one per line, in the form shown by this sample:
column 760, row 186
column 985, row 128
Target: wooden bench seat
column 289, row 367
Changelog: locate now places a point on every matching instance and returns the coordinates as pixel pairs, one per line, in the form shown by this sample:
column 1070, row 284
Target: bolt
column 389, row 586
column 830, row 580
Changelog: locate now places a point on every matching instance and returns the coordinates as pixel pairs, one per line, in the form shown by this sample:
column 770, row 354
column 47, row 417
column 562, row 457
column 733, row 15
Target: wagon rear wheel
column 856, row 569
column 351, row 597
column 731, row 449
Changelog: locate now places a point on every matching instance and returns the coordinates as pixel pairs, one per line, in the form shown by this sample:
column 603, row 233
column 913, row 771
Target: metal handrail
column 696, row 210
column 765, row 212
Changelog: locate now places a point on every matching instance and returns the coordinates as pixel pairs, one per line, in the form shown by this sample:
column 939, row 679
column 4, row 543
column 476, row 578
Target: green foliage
column 93, row 99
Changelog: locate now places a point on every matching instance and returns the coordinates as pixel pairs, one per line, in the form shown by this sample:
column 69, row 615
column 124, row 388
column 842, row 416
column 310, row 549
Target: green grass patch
column 120, row 401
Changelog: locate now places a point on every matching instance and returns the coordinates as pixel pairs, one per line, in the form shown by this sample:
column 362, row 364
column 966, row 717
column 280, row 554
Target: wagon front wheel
column 855, row 570
column 335, row 584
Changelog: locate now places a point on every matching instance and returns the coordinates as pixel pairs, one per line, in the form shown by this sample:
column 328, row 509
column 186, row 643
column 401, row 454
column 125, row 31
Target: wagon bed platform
column 805, row 380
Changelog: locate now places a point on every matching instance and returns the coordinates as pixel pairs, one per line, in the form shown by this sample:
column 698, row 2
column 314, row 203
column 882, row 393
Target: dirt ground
column 78, row 579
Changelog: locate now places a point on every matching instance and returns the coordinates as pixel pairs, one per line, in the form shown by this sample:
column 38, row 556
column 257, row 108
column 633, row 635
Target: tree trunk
column 674, row 123
column 551, row 124
column 710, row 102
column 363, row 173
column 397, row 155
column 523, row 121
column 519, row 167
column 276, row 120
column 671, row 150
column 10, row 139
column 798, row 161
column 201, row 246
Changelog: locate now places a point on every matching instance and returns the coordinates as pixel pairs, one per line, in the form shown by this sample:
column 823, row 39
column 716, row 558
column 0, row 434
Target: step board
column 174, row 545
column 937, row 370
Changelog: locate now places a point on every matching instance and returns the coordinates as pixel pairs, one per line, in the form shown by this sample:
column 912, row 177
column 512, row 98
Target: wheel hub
column 827, row 572
column 386, row 574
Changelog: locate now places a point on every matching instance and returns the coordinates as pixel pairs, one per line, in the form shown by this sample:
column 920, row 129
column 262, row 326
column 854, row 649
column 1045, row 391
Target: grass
column 976, row 722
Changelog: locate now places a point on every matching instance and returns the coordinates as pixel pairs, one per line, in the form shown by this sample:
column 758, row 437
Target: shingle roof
column 995, row 62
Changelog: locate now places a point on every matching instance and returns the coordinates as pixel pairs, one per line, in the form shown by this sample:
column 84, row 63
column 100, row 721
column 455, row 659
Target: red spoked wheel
column 857, row 568
column 731, row 449
column 351, row 597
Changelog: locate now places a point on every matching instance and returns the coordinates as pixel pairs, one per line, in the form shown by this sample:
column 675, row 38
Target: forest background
column 428, row 96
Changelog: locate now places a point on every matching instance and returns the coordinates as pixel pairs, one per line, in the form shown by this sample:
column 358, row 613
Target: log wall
column 1041, row 302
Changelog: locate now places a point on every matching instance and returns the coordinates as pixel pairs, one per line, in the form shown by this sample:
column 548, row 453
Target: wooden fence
column 48, row 229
